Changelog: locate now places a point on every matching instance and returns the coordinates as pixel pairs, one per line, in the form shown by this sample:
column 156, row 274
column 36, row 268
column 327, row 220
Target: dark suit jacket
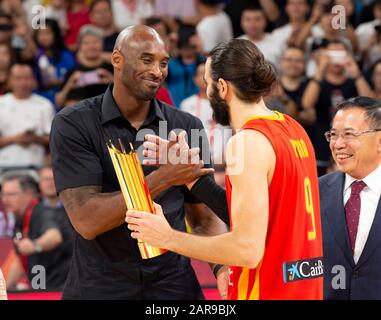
column 362, row 280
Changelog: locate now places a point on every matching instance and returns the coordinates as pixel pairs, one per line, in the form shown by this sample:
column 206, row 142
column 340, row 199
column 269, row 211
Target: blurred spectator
column 5, row 65
column 350, row 12
column 199, row 106
column 253, row 24
column 28, row 8
column 169, row 37
column 15, row 32
column 131, row 12
column 369, row 37
column 53, row 61
column 182, row 69
column 25, row 120
column 376, row 79
column 234, row 10
column 338, row 78
column 215, row 25
column 7, row 222
column 57, row 10
column 294, row 82
column 278, row 100
column 298, row 29
column 92, row 75
column 38, row 237
column 175, row 8
column 101, row 16
column 51, row 203
column 326, row 32
column 174, row 11
column 6, row 28
column 77, row 16
column 366, row 14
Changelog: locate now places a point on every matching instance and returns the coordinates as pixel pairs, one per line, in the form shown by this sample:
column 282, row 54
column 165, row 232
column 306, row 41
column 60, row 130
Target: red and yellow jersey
column 291, row 267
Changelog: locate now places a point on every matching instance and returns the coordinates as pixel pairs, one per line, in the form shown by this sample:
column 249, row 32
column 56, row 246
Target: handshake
column 177, row 162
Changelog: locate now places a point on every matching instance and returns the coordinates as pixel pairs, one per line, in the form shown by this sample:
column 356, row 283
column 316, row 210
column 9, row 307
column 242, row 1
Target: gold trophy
column 134, row 189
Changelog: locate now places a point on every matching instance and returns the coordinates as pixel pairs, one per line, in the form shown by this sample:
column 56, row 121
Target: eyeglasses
column 333, row 136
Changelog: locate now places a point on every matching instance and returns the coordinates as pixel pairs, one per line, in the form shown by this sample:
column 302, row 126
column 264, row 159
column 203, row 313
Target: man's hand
column 178, row 163
column 25, row 246
column 352, row 67
column 105, row 76
column 151, row 228
column 323, row 61
column 24, row 139
column 223, row 282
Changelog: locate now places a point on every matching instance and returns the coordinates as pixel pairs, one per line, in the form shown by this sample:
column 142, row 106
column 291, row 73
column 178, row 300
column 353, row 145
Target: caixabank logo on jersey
column 303, row 269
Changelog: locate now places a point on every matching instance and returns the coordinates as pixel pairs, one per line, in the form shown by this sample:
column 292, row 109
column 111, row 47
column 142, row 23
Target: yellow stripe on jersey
column 254, row 295
column 279, row 116
column 243, row 284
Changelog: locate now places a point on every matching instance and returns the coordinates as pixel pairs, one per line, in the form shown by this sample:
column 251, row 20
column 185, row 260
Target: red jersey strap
column 25, row 227
column 27, row 216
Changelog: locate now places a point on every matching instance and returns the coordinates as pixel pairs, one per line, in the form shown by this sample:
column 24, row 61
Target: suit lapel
column 334, row 212
column 374, row 238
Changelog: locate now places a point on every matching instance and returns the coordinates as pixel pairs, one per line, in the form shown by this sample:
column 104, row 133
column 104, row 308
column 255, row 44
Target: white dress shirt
column 370, row 197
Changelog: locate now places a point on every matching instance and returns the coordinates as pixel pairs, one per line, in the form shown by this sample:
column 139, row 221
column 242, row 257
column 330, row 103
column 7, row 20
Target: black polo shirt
column 110, row 265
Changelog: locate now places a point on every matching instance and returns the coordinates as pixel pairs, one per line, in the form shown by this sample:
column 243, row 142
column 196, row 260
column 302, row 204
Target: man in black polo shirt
column 106, row 262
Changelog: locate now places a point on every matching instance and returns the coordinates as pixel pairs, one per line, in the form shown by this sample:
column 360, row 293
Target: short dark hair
column 371, row 106
column 253, row 7
column 377, row 4
column 22, row 64
column 210, row 3
column 185, row 33
column 95, row 2
column 243, row 64
column 26, row 181
column 337, row 41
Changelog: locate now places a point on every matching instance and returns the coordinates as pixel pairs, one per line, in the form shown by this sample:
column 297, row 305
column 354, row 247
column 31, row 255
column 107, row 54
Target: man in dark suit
column 350, row 203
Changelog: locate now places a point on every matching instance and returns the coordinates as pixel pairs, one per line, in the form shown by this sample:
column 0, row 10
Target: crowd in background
column 54, row 53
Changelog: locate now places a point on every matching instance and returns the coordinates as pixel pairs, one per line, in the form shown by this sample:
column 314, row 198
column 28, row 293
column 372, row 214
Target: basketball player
column 274, row 247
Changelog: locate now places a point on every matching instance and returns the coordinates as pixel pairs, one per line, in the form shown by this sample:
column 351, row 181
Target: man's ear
column 223, row 88
column 116, row 59
column 379, row 142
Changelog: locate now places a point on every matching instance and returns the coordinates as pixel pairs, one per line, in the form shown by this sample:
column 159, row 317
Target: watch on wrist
column 37, row 247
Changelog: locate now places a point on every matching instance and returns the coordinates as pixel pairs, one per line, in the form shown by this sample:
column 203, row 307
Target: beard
column 220, row 108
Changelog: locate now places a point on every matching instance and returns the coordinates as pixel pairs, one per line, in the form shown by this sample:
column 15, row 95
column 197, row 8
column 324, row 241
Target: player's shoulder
column 84, row 107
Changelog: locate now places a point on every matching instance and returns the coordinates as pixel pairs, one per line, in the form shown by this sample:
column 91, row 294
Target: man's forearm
column 156, row 183
column 271, row 10
column 5, row 141
column 226, row 249
column 92, row 212
column 210, row 193
column 43, row 140
column 363, row 87
column 50, row 240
